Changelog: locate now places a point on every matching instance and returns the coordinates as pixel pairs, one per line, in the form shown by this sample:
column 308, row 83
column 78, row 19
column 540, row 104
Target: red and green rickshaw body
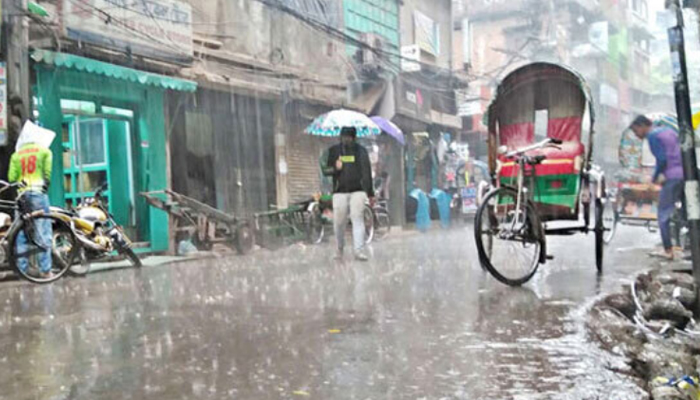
column 563, row 93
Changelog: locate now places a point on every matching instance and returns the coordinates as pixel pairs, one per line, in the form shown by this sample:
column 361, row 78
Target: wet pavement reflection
column 420, row 321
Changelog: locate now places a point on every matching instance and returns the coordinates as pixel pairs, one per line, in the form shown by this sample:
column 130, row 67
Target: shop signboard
column 410, row 58
column 414, row 101
column 427, row 33
column 154, row 28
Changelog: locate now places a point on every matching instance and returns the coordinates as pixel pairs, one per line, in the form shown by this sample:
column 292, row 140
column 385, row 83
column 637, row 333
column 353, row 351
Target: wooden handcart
column 203, row 224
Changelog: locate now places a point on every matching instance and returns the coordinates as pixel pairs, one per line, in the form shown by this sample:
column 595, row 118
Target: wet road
column 420, row 321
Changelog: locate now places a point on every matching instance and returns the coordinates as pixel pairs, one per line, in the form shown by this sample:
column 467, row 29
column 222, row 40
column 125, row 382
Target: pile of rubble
column 650, row 323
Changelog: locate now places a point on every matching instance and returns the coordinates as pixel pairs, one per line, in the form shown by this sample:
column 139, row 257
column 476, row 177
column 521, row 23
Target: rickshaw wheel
column 599, row 230
column 610, row 219
column 511, row 255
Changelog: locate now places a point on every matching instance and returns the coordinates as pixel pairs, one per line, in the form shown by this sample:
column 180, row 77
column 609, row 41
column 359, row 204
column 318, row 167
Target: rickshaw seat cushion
column 561, row 160
column 565, row 151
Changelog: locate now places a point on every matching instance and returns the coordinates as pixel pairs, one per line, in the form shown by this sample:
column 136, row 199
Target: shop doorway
column 98, row 149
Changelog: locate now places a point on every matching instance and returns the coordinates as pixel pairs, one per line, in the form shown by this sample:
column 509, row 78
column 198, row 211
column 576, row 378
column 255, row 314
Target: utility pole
column 17, row 45
column 687, row 140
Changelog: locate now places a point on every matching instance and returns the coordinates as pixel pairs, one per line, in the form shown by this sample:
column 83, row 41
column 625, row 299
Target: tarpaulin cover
column 422, row 210
column 443, row 202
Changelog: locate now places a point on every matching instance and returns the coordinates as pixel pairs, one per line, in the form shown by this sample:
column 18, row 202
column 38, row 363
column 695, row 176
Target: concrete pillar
column 397, row 188
column 281, row 163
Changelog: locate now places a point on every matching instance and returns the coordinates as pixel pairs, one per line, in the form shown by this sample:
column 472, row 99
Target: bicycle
column 382, row 222
column 63, row 243
column 318, row 207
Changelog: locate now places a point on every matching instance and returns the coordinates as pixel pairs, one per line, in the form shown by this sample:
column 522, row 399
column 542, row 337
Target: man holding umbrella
column 349, row 165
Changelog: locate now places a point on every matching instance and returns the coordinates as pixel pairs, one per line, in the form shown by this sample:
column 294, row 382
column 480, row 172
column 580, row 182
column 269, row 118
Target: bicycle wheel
column 599, row 230
column 382, row 224
column 368, row 215
column 316, row 228
column 609, row 221
column 33, row 244
column 509, row 239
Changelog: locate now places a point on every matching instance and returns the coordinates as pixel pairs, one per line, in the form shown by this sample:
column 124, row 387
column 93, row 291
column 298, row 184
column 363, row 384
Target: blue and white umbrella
column 331, row 123
column 665, row 119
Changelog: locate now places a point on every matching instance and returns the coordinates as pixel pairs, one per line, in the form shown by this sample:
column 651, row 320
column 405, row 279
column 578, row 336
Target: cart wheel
column 599, row 230
column 510, row 241
column 203, row 245
column 244, row 239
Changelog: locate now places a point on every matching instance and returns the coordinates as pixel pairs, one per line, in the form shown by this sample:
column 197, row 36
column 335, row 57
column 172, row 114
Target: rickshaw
column 637, row 196
column 544, row 183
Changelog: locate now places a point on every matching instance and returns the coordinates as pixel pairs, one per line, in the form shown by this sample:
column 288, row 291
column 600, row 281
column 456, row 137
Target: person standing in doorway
column 31, row 165
column 664, row 144
column 349, row 165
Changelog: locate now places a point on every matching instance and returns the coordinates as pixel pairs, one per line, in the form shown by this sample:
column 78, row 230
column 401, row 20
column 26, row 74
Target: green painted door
column 120, row 171
column 85, row 158
column 98, row 150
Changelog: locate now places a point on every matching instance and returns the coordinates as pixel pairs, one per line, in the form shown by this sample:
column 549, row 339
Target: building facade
column 210, row 98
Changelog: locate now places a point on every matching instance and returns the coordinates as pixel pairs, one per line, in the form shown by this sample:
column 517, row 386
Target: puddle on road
column 411, row 324
column 550, row 363
column 534, row 350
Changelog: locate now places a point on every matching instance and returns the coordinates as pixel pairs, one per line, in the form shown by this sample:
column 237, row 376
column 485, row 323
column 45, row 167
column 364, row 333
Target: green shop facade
column 111, row 128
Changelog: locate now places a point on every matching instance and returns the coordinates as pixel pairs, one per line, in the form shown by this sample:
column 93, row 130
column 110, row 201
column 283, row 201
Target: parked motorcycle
column 98, row 234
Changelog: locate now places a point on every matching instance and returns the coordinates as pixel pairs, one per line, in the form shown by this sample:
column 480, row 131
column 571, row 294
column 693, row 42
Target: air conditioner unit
column 371, row 57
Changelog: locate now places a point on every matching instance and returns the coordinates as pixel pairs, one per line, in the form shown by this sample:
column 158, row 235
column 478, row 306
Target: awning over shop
column 112, row 71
